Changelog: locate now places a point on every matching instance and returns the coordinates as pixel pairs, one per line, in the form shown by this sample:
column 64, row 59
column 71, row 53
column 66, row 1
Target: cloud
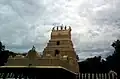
column 95, row 24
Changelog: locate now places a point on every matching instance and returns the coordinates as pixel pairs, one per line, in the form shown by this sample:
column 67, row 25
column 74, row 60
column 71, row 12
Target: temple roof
column 33, row 53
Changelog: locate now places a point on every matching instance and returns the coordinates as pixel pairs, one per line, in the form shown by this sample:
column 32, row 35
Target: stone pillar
column 88, row 75
column 79, row 76
column 82, row 76
column 85, row 75
column 99, row 76
column 96, row 76
column 105, row 76
column 112, row 76
column 108, row 76
column 92, row 76
column 102, row 76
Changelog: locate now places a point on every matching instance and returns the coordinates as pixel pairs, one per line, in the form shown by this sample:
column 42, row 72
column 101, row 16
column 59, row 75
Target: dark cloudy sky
column 95, row 24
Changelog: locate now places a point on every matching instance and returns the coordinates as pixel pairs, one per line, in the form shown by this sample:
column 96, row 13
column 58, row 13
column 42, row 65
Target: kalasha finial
column 65, row 27
column 62, row 27
column 69, row 28
column 53, row 28
column 33, row 48
column 57, row 27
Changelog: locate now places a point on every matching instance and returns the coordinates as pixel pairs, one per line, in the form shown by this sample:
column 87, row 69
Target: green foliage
column 116, row 45
column 114, row 59
column 2, row 47
column 4, row 54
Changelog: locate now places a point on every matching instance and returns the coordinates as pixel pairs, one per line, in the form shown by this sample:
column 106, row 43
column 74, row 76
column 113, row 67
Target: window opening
column 57, row 52
column 58, row 42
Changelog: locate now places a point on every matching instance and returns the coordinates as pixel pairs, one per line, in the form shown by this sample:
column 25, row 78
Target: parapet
column 17, row 57
column 61, row 32
column 61, row 28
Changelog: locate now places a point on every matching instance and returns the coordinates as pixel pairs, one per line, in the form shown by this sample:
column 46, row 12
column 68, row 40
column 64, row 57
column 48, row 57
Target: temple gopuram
column 58, row 61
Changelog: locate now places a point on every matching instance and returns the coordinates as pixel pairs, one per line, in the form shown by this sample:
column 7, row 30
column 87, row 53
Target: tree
column 114, row 59
column 4, row 54
column 116, row 45
column 2, row 47
column 92, row 65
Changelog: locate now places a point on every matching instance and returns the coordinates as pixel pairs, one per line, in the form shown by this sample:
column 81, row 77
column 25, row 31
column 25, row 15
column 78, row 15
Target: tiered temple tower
column 60, row 45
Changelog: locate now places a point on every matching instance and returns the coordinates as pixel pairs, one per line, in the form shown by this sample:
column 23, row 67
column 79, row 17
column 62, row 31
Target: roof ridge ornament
column 53, row 28
column 65, row 27
column 69, row 28
column 62, row 27
column 33, row 48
